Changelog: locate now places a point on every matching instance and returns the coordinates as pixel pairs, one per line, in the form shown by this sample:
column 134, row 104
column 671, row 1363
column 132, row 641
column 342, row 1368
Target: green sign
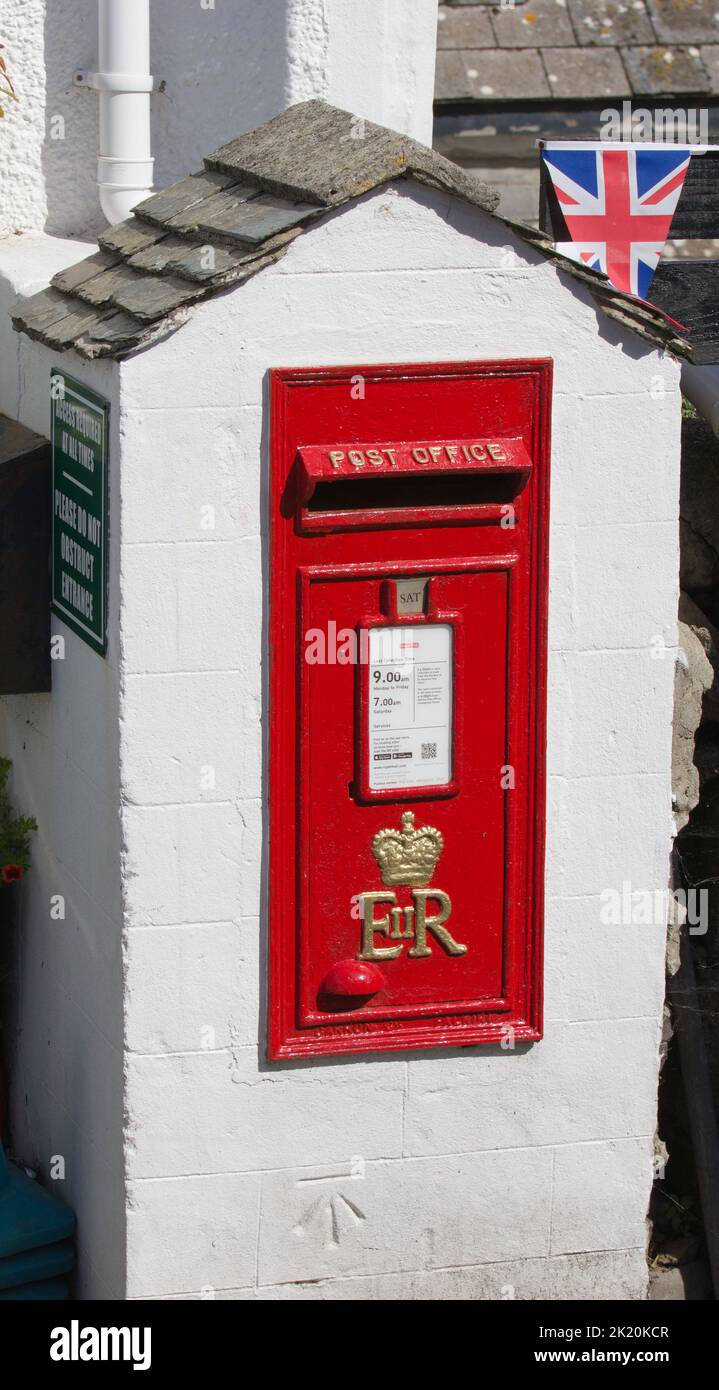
column 79, row 507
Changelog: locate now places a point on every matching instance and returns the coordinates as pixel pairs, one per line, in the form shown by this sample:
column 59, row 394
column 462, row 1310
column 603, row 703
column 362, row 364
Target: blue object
column 29, row 1215
column 50, row 1289
column 44, row 1262
column 35, row 1237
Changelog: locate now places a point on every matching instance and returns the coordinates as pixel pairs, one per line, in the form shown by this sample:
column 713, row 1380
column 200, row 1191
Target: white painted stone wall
column 227, row 65
column 67, row 1068
column 448, row 1174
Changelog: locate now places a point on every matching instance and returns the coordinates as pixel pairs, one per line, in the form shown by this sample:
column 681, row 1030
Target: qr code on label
column 429, row 750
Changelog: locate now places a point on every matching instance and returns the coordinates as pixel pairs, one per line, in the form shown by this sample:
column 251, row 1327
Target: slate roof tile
column 144, row 282
column 464, row 28
column 487, row 74
column 128, row 237
column 41, row 310
column 99, row 289
column 188, row 219
column 533, row 25
column 685, row 31
column 684, row 21
column 151, row 297
column 308, row 155
column 116, row 333
column 253, row 220
column 203, row 261
column 64, row 332
column 710, row 60
column 665, row 69
column 611, row 22
column 585, row 72
column 451, row 73
column 89, row 269
column 160, row 207
column 169, row 252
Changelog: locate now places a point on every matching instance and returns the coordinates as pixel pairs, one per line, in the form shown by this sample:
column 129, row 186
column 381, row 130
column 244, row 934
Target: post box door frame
column 287, row 1038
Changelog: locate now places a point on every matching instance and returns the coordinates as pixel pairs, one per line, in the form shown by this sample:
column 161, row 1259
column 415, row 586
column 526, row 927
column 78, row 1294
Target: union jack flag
column 618, row 205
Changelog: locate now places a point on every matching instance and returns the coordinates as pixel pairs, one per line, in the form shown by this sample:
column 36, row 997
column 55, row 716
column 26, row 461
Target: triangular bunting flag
column 617, row 203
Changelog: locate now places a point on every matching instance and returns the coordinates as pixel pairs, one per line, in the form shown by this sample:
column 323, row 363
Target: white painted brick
column 595, row 1202
column 149, row 587
column 627, row 585
column 406, row 1215
column 561, row 1090
column 194, row 608
column 476, row 311
column 481, row 313
column 596, row 970
column 620, row 1274
column 562, row 620
column 220, row 605
column 184, row 981
column 559, row 729
column 184, row 864
column 203, row 373
column 253, row 847
column 406, row 225
column 175, row 1228
column 608, row 693
column 207, row 489
column 589, row 850
column 200, row 738
column 611, row 452
column 241, row 1119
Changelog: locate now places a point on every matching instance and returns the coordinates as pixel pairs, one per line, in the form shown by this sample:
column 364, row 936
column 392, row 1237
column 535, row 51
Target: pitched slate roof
column 538, row 50
column 239, row 214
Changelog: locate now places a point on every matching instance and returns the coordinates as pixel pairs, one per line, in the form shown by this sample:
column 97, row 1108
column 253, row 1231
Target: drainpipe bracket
column 116, row 172
column 117, row 81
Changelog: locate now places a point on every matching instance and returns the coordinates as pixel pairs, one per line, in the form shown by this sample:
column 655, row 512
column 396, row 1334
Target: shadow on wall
column 224, row 66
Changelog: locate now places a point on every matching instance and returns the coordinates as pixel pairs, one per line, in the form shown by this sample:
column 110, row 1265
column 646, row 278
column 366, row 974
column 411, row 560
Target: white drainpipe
column 124, row 166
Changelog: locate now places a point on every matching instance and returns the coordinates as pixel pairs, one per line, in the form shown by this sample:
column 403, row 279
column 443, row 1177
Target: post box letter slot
column 471, row 474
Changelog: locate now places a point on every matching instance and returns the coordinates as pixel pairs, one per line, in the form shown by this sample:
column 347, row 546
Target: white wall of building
column 481, row 1169
column 67, row 1067
column 226, row 66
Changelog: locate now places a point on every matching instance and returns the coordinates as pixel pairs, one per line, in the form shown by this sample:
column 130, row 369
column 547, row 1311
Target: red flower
column 10, row 873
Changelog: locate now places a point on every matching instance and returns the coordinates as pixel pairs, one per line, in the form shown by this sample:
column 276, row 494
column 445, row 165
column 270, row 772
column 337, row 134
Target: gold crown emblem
column 409, row 857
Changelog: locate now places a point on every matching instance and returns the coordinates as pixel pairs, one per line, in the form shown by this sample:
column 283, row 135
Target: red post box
column 408, row 596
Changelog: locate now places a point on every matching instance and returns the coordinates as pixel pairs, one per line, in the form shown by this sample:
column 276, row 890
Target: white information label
column 410, row 706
